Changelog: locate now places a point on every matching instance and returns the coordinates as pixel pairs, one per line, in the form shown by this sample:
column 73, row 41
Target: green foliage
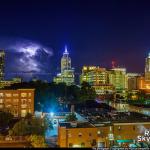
column 36, row 126
column 5, row 118
column 21, row 128
column 71, row 117
column 28, row 116
column 141, row 95
column 87, row 92
column 48, row 123
column 37, row 141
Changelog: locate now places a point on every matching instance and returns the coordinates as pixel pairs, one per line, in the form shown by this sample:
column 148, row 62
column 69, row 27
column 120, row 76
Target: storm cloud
column 25, row 58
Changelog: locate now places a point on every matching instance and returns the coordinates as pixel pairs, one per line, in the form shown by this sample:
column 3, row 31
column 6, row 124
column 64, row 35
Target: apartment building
column 19, row 102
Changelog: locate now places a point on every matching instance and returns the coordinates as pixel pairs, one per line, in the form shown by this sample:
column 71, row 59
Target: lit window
column 1, row 94
column 23, row 113
column 69, row 135
column 1, row 100
column 29, row 94
column 8, row 100
column 29, row 100
column 15, row 100
column 15, row 95
column 119, row 128
column 23, row 106
column 98, row 132
column 23, row 101
column 8, row 106
column 23, row 94
column 8, row 94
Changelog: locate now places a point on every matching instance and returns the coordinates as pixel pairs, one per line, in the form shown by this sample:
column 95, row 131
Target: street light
column 51, row 114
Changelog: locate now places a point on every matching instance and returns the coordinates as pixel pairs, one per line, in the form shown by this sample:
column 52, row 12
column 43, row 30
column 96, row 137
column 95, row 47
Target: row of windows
column 15, row 106
column 23, row 101
column 80, row 134
column 119, row 128
column 15, row 94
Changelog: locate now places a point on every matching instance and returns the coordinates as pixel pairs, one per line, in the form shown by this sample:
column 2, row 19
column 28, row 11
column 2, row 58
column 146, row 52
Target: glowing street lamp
column 51, row 114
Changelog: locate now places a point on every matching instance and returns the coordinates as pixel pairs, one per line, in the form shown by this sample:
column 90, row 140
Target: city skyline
column 50, row 75
column 75, row 74
column 96, row 32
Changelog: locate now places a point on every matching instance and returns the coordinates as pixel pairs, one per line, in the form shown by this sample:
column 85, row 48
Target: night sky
column 34, row 33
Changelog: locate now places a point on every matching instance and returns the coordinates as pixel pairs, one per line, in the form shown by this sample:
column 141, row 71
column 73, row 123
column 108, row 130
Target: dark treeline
column 49, row 96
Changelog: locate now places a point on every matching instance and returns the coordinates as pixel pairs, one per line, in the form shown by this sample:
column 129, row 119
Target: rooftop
column 116, row 117
column 79, row 125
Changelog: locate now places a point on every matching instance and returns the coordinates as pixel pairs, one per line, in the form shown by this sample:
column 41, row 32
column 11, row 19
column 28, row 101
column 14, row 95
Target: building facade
column 94, row 75
column 144, row 81
column 132, row 81
column 117, row 77
column 18, row 102
column 2, row 57
column 147, row 68
column 98, row 78
column 67, row 72
column 118, row 134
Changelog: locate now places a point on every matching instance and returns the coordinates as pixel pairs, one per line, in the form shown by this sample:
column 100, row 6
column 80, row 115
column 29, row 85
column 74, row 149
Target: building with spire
column 2, row 57
column 67, row 72
column 65, row 61
column 144, row 81
column 147, row 68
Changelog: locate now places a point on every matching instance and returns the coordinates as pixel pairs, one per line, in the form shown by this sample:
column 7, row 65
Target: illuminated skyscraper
column 98, row 78
column 117, row 78
column 147, row 68
column 67, row 73
column 132, row 81
column 65, row 61
column 2, row 56
column 144, row 82
column 94, row 75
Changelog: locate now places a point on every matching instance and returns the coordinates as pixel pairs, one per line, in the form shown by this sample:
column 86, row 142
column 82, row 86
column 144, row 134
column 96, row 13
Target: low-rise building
column 18, row 102
column 116, row 132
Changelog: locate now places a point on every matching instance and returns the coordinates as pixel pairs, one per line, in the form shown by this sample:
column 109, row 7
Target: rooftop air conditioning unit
column 73, row 124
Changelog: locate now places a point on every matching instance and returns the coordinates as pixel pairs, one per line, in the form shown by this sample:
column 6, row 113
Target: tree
column 28, row 116
column 141, row 95
column 5, row 118
column 87, row 92
column 37, row 141
column 48, row 123
column 21, row 128
column 35, row 126
column 71, row 117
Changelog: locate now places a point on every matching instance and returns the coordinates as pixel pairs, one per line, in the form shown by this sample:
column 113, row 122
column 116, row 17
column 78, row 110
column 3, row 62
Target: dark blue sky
column 96, row 31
